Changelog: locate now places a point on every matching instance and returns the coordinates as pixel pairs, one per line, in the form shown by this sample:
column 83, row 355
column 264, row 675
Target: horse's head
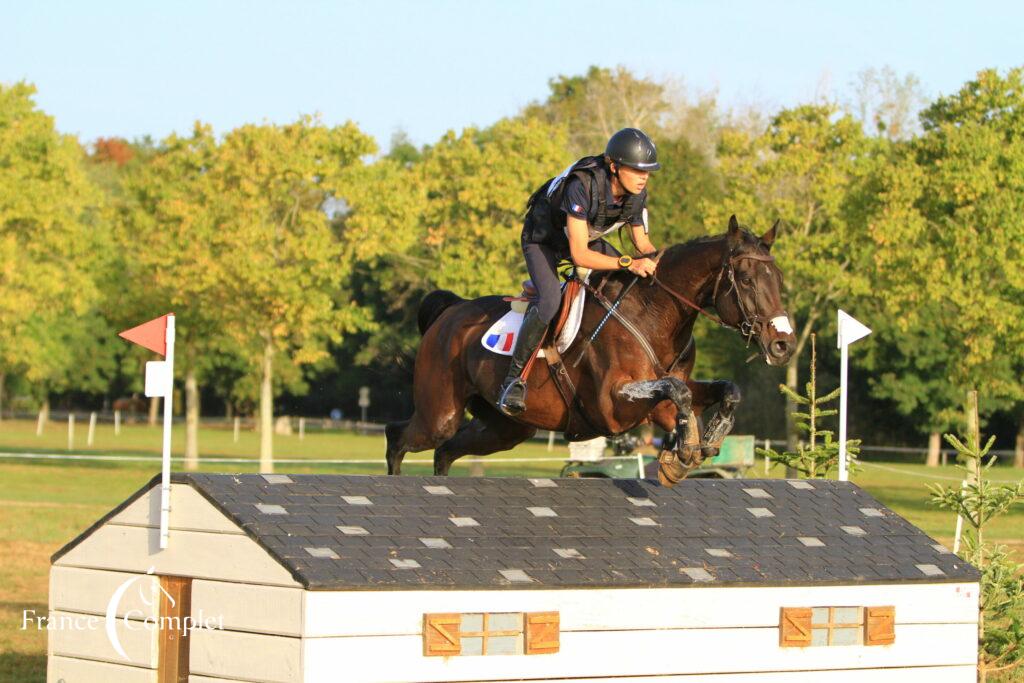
column 748, row 292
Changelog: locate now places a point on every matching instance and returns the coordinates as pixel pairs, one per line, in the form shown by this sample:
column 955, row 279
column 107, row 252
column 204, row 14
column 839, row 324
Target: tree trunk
column 1018, row 448
column 191, row 420
column 3, row 378
column 229, row 410
column 154, row 410
column 934, row 446
column 792, row 435
column 267, row 408
column 44, row 416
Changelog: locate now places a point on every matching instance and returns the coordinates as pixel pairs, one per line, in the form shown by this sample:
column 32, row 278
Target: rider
column 566, row 218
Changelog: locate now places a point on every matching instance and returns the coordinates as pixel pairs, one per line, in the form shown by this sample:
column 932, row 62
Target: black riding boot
column 512, row 399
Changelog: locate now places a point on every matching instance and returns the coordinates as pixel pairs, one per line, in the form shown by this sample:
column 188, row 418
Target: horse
column 636, row 371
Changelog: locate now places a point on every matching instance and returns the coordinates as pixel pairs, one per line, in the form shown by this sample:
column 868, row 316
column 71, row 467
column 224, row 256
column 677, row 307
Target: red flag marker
column 151, row 335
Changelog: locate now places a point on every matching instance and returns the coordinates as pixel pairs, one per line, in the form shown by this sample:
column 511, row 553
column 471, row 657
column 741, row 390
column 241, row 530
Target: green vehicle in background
column 733, row 461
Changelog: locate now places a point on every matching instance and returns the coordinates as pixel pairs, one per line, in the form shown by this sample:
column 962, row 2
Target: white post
column 850, row 330
column 302, row 428
column 238, row 422
column 71, row 431
column 551, row 440
column 767, row 460
column 117, row 423
column 165, row 479
column 959, row 525
column 844, row 361
column 92, row 429
column 640, row 464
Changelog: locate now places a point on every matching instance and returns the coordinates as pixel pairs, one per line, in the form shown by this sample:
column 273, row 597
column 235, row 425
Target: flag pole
column 850, row 330
column 165, row 480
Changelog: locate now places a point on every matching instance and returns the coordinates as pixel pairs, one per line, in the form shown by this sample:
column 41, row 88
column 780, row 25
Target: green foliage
column 51, row 243
column 948, row 230
column 814, row 459
column 978, row 501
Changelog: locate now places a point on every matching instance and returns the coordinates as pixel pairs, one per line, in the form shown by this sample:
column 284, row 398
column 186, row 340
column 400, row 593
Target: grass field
column 44, row 504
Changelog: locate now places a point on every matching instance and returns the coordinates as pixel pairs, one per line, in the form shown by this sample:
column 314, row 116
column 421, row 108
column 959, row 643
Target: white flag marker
column 158, row 336
column 850, row 330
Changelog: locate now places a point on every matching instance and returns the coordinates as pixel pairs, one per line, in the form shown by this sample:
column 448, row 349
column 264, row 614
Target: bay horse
column 637, row 370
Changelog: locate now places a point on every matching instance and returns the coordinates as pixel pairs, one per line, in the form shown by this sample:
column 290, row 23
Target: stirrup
column 512, row 405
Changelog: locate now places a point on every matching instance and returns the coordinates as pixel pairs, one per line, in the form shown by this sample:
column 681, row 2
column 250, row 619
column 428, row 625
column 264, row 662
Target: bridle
column 752, row 324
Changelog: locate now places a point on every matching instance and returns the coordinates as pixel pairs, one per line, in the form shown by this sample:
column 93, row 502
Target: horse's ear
column 735, row 237
column 768, row 239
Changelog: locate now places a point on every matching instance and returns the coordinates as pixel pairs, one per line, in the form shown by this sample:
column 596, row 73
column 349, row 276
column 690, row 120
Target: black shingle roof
column 367, row 532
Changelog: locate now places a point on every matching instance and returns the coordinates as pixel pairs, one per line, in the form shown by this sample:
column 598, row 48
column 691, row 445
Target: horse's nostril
column 779, row 348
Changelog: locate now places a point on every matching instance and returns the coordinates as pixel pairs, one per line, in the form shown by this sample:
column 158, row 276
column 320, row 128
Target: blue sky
column 132, row 68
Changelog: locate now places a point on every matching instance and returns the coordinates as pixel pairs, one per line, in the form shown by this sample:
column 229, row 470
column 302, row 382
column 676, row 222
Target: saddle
column 501, row 335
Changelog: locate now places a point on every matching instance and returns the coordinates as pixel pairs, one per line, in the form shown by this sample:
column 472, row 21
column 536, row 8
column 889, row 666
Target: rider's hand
column 642, row 267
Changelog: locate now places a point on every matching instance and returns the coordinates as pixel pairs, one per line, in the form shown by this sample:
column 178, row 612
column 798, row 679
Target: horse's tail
column 433, row 305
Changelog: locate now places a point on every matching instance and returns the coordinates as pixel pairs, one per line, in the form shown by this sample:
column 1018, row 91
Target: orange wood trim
column 441, row 635
column 175, row 606
column 542, row 633
column 795, row 627
column 880, row 625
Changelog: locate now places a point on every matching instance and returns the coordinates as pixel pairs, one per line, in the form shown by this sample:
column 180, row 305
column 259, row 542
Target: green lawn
column 43, row 504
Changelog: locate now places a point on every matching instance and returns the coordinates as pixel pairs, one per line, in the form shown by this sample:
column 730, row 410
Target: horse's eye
column 746, row 280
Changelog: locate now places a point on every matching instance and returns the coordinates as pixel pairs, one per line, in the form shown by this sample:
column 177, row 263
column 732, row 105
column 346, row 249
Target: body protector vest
column 545, row 221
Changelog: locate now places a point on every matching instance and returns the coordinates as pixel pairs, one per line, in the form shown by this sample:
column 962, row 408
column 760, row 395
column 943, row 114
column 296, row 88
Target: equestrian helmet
column 631, row 147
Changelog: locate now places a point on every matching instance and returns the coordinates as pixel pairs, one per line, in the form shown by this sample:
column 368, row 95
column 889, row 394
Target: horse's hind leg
column 396, row 449
column 488, row 432
column 416, row 434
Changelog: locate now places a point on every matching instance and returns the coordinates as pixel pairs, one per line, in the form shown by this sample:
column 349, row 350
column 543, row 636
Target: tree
column 453, row 220
column 886, row 103
column 949, row 229
column 281, row 264
column 806, row 169
column 51, row 243
column 593, row 106
column 172, row 257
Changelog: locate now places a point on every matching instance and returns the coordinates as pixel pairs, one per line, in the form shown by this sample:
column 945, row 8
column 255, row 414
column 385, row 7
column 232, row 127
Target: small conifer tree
column 819, row 456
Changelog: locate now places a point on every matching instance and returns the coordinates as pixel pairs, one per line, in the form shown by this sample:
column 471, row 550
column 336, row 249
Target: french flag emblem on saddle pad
column 501, row 337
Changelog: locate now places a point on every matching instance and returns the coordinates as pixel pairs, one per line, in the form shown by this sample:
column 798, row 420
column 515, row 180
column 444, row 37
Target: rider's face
column 632, row 180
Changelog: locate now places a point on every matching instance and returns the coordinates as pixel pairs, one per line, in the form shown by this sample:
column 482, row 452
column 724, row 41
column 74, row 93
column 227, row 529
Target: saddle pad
column 501, row 336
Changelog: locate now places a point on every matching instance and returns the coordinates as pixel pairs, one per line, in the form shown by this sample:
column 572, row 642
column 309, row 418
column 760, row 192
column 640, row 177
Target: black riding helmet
column 631, row 147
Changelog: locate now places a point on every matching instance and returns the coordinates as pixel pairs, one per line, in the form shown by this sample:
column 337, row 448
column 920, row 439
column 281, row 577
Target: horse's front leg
column 681, row 454
column 708, row 393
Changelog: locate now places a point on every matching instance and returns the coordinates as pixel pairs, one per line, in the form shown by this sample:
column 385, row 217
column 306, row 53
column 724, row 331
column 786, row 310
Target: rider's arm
column 582, row 255
column 641, row 241
column 585, row 257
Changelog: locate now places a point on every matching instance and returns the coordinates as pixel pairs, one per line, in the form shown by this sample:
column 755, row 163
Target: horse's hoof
column 670, row 470
column 708, row 452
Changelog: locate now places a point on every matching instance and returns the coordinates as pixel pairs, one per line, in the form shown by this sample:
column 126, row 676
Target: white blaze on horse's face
column 781, row 323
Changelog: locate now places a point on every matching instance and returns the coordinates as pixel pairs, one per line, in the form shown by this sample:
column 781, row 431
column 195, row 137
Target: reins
column 750, row 324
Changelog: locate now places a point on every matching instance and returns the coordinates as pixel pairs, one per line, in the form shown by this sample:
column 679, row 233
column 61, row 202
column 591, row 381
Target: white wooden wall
column 642, row 632
column 203, row 543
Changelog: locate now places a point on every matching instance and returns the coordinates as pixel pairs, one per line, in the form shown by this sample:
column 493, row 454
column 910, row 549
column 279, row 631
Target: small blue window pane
column 819, row 637
column 846, row 615
column 819, row 615
column 472, row 623
column 505, row 621
column 846, row 636
column 473, row 646
column 503, row 645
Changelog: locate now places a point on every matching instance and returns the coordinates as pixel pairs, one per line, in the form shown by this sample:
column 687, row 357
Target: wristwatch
column 625, row 261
